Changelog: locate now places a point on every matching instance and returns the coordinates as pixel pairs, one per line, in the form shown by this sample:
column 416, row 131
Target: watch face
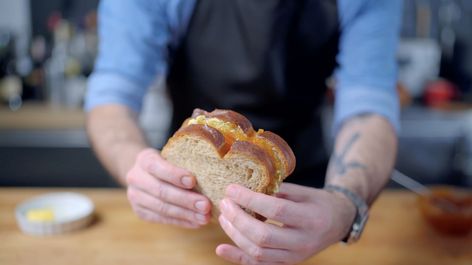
column 358, row 226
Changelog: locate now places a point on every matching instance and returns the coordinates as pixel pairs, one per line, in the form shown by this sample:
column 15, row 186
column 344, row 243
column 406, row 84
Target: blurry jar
column 10, row 91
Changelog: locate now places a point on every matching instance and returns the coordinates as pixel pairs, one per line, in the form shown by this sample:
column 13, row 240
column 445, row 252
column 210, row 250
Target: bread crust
column 289, row 161
column 215, row 137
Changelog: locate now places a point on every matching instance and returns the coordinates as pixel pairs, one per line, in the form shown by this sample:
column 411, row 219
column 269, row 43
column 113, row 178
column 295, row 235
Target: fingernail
column 201, row 205
column 231, row 191
column 223, row 221
column 224, row 205
column 186, row 181
column 201, row 217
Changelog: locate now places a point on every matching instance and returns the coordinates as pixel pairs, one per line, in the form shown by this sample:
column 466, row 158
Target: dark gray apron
column 267, row 59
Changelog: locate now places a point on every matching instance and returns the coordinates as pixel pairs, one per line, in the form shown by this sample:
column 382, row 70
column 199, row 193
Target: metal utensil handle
column 409, row 183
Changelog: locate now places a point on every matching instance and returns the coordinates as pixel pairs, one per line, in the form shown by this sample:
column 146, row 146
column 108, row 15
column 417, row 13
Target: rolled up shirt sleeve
column 133, row 39
column 367, row 73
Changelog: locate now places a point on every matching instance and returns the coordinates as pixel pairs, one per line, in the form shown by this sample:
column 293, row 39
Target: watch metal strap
column 362, row 212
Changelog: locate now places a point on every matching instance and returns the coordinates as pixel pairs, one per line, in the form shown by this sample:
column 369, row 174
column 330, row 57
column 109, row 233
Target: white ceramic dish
column 71, row 211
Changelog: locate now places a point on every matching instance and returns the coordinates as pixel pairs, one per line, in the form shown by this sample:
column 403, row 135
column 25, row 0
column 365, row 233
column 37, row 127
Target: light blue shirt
column 135, row 36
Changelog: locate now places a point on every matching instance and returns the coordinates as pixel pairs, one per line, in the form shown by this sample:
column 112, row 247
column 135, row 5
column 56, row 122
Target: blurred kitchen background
column 47, row 51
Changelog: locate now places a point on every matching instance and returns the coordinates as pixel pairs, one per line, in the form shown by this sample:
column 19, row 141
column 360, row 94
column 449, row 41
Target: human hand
column 312, row 219
column 160, row 192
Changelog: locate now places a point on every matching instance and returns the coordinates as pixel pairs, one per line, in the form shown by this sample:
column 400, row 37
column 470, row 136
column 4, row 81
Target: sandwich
column 221, row 148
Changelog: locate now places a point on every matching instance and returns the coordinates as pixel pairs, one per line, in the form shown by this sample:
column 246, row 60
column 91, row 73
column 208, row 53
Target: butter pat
column 40, row 215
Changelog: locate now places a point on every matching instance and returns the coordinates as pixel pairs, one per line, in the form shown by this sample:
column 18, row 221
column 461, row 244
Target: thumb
column 154, row 164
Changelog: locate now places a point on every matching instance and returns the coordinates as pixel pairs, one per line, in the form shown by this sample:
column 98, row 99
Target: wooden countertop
column 395, row 234
column 41, row 117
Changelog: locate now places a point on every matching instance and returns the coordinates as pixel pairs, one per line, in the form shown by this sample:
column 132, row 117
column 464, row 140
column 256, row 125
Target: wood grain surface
column 395, row 234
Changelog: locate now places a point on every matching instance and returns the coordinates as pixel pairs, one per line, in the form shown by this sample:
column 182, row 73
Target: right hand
column 161, row 192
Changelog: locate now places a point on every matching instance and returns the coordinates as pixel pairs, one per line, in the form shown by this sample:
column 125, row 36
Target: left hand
column 312, row 219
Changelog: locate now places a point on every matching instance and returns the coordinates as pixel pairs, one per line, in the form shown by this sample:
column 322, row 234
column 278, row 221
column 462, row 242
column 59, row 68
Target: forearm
column 116, row 138
column 364, row 155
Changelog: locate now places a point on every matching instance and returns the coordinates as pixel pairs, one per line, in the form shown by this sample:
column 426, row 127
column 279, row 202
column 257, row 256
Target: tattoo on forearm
column 338, row 165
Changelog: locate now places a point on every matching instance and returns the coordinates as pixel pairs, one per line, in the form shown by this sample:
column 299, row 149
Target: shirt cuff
column 112, row 88
column 364, row 100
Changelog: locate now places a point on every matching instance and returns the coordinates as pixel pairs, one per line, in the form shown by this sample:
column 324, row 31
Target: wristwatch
column 362, row 212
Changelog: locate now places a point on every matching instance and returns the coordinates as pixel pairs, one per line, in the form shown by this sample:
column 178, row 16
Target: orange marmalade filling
column 270, row 147
column 225, row 127
column 233, row 132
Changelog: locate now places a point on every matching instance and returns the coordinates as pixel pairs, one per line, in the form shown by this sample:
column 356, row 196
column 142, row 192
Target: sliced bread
column 221, row 148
